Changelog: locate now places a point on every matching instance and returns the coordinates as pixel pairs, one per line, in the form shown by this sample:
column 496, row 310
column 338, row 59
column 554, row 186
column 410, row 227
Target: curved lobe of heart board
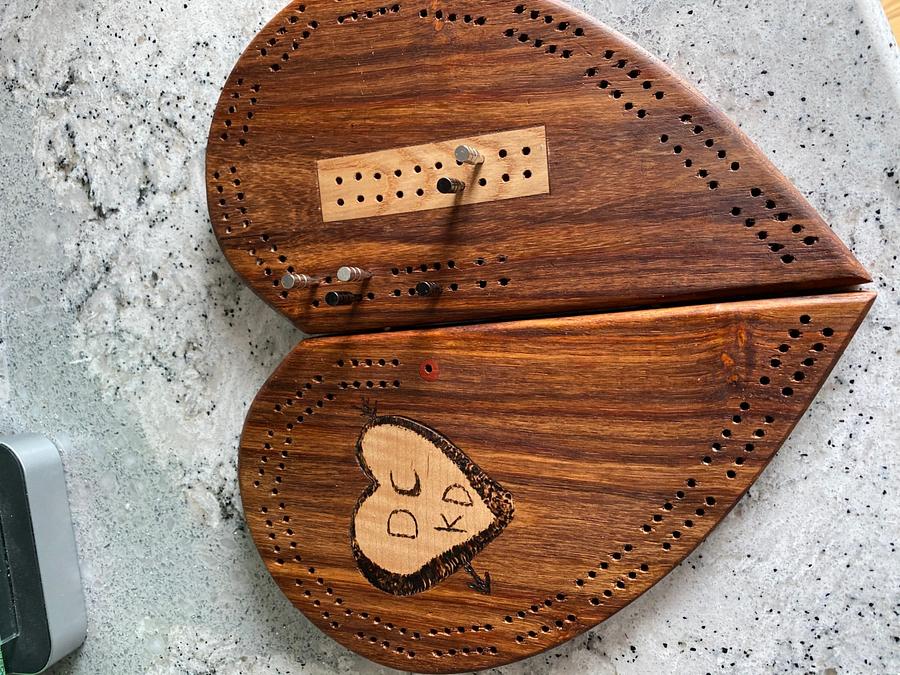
column 620, row 439
column 652, row 194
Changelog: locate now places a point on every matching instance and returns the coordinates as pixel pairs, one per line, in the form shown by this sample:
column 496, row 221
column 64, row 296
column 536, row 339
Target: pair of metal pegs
column 335, row 298
column 332, row 298
column 464, row 154
column 301, row 281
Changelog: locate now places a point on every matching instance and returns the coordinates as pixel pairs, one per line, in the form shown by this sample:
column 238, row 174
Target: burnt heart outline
column 498, row 501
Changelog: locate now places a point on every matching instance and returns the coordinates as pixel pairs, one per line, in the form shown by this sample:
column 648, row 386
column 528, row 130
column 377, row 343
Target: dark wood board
column 595, row 453
column 655, row 196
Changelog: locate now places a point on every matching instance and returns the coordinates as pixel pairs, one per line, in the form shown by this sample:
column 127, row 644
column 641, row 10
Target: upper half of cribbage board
column 646, row 193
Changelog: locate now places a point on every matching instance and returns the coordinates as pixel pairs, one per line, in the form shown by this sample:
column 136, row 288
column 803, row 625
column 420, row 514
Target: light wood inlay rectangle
column 401, row 180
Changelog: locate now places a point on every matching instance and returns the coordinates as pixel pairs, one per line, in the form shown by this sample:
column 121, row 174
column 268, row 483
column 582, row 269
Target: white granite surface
column 118, row 316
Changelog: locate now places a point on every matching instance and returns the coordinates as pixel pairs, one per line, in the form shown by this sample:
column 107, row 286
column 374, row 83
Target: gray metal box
column 42, row 612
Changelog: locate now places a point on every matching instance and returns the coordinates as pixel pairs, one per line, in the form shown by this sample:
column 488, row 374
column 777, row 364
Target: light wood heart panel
column 458, row 498
column 654, row 195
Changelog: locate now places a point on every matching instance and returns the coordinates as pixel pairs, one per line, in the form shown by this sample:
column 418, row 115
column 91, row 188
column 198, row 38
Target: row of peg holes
column 538, row 43
column 709, row 501
column 231, row 126
column 560, row 624
column 756, row 193
column 295, row 43
column 230, row 175
column 738, row 418
column 708, row 143
column 450, row 265
column 564, row 27
column 223, row 203
column 437, row 266
column 271, row 43
column 378, row 175
column 369, row 14
column 367, row 363
column 454, row 287
column 634, row 74
column 452, row 17
column 420, row 192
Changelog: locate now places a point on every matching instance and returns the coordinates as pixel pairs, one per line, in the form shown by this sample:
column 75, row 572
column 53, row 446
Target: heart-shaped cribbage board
column 456, row 498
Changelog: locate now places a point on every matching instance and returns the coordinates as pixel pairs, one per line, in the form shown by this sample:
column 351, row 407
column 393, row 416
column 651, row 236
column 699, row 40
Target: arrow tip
column 478, row 584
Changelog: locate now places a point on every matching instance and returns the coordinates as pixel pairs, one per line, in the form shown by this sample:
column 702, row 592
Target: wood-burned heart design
column 428, row 511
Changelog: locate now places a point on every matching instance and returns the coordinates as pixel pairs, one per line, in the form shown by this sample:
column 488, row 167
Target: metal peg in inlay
column 449, row 186
column 353, row 274
column 298, row 281
column 428, row 289
column 335, row 298
column 468, row 155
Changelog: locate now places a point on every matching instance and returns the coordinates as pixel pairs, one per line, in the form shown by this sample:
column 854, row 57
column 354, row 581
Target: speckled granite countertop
column 119, row 315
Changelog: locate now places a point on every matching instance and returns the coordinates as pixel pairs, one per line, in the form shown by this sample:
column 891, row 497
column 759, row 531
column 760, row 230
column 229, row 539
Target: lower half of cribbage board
column 458, row 498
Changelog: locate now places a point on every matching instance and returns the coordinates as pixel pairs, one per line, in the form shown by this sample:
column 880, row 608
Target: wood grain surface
column 655, row 196
column 617, row 441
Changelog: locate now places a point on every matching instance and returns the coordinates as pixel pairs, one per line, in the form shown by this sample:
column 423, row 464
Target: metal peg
column 353, row 274
column 428, row 289
column 335, row 298
column 298, row 281
column 449, row 186
column 468, row 155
